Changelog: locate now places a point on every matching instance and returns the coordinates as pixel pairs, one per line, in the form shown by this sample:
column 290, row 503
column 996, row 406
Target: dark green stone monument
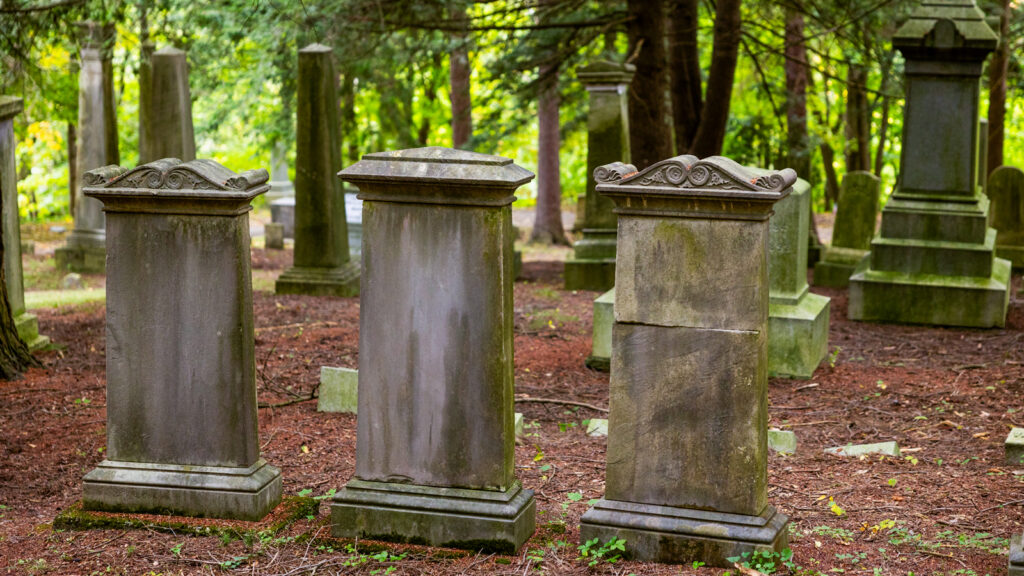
column 435, row 440
column 322, row 264
column 856, row 217
column 1006, row 192
column 592, row 266
column 687, row 429
column 933, row 261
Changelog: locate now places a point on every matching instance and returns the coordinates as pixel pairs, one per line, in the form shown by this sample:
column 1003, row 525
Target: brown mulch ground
column 948, row 397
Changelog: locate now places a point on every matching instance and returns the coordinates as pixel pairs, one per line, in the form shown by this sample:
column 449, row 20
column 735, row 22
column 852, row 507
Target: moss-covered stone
column 1006, row 191
column 601, row 344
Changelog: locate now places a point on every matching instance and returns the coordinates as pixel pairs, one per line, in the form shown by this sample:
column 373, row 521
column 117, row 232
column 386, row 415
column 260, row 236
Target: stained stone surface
column 181, row 389
column 518, row 424
column 856, row 450
column 933, row 261
column 322, row 265
column 592, row 266
column 1014, row 447
column 273, row 236
column 782, row 441
column 84, row 250
column 797, row 320
column 1005, row 190
column 854, row 228
column 27, row 324
column 339, row 390
column 1016, row 561
column 282, row 212
column 435, row 438
column 597, row 427
column 601, row 345
column 169, row 132
column 687, row 428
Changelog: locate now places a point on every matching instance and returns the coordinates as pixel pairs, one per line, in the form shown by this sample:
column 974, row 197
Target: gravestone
column 797, row 319
column 339, row 390
column 85, row 250
column 592, row 266
column 687, row 428
column 933, row 261
column 282, row 213
column 273, row 236
column 166, row 124
column 435, row 437
column 856, row 215
column 280, row 185
column 27, row 324
column 1016, row 555
column 1006, row 192
column 354, row 220
column 181, row 384
column 982, row 153
column 601, row 345
column 322, row 265
column 1013, row 447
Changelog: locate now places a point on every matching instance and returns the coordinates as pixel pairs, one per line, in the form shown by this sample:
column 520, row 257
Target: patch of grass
column 549, row 319
column 62, row 298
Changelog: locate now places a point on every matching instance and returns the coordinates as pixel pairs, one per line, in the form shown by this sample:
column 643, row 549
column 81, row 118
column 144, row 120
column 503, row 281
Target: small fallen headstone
column 597, row 427
column 338, row 390
column 58, row 229
column 273, row 234
column 782, row 441
column 1015, row 447
column 71, row 281
column 519, row 424
column 885, row 448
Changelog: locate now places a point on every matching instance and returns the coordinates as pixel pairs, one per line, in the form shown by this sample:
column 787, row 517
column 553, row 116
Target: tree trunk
column 728, row 31
column 828, row 159
column 547, row 224
column 998, row 68
column 72, row 166
column 350, row 151
column 14, row 354
column 797, row 139
column 883, row 132
column 684, row 61
column 858, row 122
column 650, row 135
column 458, row 63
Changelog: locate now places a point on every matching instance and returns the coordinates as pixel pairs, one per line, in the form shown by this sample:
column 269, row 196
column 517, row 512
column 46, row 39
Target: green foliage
column 765, row 561
column 595, row 552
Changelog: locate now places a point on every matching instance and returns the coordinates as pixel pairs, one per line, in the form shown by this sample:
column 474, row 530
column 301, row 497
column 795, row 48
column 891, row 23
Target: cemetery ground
column 946, row 506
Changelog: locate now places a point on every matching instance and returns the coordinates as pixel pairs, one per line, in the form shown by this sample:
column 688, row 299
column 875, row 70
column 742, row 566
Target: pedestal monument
column 435, row 439
column 166, row 123
column 856, row 218
column 687, row 429
column 933, row 261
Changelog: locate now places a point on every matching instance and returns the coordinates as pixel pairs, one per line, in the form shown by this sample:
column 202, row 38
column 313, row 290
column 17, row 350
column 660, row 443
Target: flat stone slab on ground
column 519, row 424
column 597, row 427
column 1015, row 447
column 886, row 448
column 783, row 441
column 338, row 390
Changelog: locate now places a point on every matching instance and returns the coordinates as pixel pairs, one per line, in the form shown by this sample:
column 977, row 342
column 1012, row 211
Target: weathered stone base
column 601, row 346
column 28, row 331
column 1015, row 254
column 678, row 535
column 450, row 517
column 342, row 281
column 1016, row 567
column 833, row 274
column 83, row 259
column 797, row 336
column 970, row 301
column 590, row 274
column 201, row 491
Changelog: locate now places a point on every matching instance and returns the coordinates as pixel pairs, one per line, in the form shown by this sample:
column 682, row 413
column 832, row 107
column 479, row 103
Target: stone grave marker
column 339, row 390
column 273, row 236
column 435, row 437
column 85, row 249
column 797, row 319
column 856, row 215
column 1014, row 447
column 181, row 383
column 166, row 126
column 592, row 266
column 322, row 265
column 26, row 323
column 1006, row 192
column 933, row 261
column 686, row 478
column 601, row 345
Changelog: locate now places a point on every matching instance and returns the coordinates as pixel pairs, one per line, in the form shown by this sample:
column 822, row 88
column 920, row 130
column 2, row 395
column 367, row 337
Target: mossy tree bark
column 14, row 354
column 998, row 68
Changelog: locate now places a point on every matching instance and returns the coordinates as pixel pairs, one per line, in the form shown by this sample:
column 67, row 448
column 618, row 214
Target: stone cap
column 172, row 186
column 10, row 106
column 169, row 51
column 946, row 29
column 687, row 187
column 315, row 48
column 436, row 175
column 606, row 72
column 96, row 36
